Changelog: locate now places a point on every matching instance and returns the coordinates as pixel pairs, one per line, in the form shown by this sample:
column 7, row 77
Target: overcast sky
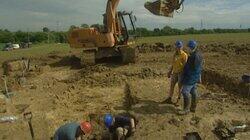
column 35, row 14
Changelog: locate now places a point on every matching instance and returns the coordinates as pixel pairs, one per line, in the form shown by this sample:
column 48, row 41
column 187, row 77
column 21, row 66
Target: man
column 175, row 72
column 191, row 76
column 73, row 131
column 120, row 127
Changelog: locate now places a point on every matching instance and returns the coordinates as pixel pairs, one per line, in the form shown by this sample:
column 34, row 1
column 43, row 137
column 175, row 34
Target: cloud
column 35, row 14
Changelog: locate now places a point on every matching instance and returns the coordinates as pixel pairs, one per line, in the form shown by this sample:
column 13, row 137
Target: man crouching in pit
column 120, row 127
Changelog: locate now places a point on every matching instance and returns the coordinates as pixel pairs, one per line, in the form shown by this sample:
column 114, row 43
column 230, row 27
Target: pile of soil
column 157, row 47
column 227, row 48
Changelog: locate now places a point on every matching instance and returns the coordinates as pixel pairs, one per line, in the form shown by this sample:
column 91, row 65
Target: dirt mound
column 222, row 48
column 18, row 66
column 232, row 85
column 72, row 61
column 157, row 47
column 227, row 48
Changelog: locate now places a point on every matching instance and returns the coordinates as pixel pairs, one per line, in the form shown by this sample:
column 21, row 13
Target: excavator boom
column 116, row 39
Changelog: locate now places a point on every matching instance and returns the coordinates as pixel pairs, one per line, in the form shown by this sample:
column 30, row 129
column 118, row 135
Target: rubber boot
column 193, row 104
column 185, row 110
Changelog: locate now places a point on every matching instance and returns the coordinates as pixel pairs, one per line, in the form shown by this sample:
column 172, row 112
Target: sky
column 33, row 15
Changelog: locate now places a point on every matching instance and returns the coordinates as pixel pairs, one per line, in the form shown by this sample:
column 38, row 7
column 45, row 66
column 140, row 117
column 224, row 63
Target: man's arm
column 132, row 122
column 198, row 66
column 171, row 68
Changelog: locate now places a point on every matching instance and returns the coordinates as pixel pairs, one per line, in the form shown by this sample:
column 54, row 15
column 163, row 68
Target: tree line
column 167, row 31
column 47, row 36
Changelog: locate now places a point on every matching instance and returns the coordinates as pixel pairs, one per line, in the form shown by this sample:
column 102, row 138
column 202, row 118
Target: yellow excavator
column 115, row 40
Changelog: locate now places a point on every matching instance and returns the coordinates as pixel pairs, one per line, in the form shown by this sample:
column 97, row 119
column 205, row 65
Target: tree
column 98, row 27
column 72, row 27
column 45, row 29
column 6, row 36
column 167, row 30
column 85, row 25
column 21, row 36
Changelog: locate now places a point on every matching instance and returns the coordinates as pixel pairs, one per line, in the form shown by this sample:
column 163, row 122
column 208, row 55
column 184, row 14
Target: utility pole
column 48, row 36
column 201, row 24
column 28, row 36
column 57, row 26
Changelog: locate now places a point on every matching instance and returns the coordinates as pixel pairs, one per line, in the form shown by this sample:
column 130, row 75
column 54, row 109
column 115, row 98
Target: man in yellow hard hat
column 175, row 72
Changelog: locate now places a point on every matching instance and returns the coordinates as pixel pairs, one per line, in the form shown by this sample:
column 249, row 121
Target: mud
column 57, row 92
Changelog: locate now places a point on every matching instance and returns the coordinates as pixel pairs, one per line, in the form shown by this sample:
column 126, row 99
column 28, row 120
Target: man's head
column 86, row 127
column 192, row 45
column 178, row 45
column 108, row 120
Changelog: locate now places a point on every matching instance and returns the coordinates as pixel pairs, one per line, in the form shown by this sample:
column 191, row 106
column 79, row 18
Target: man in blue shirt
column 120, row 127
column 191, row 76
column 72, row 131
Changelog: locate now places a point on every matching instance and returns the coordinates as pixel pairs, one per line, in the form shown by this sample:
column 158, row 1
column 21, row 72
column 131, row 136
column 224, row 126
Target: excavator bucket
column 163, row 7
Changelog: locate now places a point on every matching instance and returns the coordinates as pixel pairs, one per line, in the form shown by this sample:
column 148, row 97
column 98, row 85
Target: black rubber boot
column 193, row 104
column 185, row 110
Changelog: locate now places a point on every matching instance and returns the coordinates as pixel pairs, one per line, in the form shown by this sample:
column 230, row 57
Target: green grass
column 202, row 38
column 36, row 51
column 1, row 46
column 42, row 50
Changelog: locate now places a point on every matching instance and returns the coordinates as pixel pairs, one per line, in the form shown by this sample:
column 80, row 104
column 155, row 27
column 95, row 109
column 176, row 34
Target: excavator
column 115, row 40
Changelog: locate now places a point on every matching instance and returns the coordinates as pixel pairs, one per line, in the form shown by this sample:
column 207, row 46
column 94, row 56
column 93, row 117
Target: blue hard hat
column 108, row 119
column 192, row 44
column 178, row 44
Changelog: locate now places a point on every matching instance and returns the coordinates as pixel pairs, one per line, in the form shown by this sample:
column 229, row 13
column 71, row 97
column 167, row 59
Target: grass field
column 40, row 50
column 37, row 50
column 1, row 46
column 203, row 38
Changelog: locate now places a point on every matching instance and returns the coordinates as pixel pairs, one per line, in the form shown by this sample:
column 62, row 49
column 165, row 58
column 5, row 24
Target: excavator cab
column 127, row 27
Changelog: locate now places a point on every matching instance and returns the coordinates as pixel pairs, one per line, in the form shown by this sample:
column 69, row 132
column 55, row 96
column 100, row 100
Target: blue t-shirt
column 120, row 121
column 67, row 131
column 192, row 69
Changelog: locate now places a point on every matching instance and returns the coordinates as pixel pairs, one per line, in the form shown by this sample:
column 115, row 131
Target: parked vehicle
column 8, row 47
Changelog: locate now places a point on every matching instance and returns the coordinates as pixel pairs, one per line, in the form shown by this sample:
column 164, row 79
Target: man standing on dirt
column 73, row 131
column 175, row 72
column 191, row 76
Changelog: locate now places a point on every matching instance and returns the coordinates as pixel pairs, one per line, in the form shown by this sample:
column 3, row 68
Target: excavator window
column 127, row 25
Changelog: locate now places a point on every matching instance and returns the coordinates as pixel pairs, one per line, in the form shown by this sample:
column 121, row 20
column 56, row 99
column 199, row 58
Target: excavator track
column 128, row 54
column 88, row 57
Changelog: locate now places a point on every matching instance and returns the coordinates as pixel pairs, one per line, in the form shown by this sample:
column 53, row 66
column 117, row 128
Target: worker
column 175, row 72
column 191, row 76
column 120, row 127
column 73, row 131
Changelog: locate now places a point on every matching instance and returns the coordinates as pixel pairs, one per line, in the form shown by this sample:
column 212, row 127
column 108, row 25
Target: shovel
column 28, row 117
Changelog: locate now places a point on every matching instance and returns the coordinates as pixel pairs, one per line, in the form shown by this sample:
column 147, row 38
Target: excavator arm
column 159, row 7
column 111, row 13
column 163, row 7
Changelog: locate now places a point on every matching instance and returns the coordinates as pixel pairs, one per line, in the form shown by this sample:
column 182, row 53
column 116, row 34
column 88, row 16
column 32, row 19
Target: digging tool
column 4, row 78
column 6, row 91
column 28, row 117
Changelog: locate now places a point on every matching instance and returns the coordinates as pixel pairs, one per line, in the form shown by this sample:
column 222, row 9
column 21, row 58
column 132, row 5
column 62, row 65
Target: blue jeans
column 186, row 91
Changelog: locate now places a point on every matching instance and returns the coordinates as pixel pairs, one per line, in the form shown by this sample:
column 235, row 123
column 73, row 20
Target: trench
column 227, row 83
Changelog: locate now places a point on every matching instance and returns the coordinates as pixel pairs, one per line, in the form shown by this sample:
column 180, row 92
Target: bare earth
column 58, row 93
